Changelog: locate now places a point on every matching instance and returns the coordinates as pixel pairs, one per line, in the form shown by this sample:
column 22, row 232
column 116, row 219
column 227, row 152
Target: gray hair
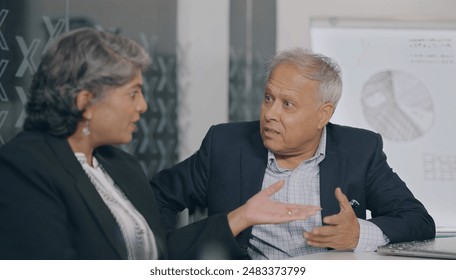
column 82, row 59
column 314, row 66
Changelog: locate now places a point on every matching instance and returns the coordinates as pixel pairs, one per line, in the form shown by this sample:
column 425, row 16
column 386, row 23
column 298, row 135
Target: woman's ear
column 83, row 101
column 326, row 112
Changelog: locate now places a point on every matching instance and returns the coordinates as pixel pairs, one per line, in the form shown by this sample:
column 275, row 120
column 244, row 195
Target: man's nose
column 272, row 112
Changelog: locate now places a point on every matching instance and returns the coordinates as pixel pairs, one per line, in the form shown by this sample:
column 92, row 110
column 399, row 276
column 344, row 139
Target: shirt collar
column 83, row 160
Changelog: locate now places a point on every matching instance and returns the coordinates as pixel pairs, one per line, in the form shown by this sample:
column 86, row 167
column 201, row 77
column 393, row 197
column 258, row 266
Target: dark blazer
column 229, row 168
column 49, row 209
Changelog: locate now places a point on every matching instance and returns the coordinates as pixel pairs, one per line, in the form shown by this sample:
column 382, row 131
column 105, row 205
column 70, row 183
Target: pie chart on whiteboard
column 397, row 105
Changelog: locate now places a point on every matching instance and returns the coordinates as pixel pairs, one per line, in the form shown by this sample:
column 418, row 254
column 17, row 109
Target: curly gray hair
column 82, row 59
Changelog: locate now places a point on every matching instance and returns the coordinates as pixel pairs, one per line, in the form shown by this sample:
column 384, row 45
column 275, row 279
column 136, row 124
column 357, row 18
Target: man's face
column 291, row 118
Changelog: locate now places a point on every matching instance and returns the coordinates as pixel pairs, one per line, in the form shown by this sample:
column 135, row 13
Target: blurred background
column 209, row 56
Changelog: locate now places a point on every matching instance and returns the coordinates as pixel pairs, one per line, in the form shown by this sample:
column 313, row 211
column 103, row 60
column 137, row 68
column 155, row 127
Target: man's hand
column 342, row 230
column 261, row 209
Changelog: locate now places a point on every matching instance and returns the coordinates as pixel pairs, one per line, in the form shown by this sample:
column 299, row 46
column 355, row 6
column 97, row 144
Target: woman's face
column 115, row 116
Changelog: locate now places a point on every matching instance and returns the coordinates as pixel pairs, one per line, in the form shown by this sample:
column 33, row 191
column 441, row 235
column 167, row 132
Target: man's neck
column 292, row 160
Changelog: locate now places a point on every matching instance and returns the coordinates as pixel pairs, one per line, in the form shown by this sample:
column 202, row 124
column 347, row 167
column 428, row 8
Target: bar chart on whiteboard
column 400, row 81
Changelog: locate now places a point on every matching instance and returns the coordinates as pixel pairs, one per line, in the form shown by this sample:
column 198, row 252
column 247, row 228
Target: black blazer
column 229, row 168
column 49, row 209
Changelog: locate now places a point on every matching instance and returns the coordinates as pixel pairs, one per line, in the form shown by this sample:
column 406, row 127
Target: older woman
column 67, row 193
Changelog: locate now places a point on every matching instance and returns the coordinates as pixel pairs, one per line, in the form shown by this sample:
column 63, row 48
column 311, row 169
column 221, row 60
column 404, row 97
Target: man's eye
column 287, row 104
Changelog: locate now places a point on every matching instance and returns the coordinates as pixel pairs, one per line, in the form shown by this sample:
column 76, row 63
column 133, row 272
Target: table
column 349, row 255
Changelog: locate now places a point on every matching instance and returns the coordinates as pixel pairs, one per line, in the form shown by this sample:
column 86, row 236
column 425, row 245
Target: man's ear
column 326, row 111
column 83, row 101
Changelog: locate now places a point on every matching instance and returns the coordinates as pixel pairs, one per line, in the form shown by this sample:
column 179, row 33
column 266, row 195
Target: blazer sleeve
column 209, row 238
column 394, row 208
column 185, row 186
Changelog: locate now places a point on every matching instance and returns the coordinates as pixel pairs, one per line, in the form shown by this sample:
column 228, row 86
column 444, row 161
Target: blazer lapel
column 253, row 166
column 136, row 188
column 332, row 170
column 93, row 200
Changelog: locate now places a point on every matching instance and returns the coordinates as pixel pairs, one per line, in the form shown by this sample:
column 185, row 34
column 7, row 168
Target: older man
column 340, row 168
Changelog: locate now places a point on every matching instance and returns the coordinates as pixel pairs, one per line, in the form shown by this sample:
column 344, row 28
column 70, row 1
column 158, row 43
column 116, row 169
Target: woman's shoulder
column 28, row 154
column 25, row 142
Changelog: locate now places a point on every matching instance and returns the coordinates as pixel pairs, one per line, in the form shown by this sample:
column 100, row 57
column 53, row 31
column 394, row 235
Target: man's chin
column 269, row 144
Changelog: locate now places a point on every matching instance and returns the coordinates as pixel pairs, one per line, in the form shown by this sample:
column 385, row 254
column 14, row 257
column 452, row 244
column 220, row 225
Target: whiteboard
column 400, row 81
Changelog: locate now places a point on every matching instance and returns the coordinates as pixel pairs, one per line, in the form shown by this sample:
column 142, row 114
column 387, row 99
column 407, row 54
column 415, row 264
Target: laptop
column 438, row 248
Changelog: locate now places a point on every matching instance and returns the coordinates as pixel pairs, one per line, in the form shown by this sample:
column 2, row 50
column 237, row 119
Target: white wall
column 203, row 61
column 293, row 16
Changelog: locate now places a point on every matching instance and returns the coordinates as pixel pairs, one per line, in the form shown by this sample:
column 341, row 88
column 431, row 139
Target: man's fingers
column 272, row 189
column 345, row 207
column 320, row 237
column 300, row 212
column 331, row 220
column 343, row 200
column 304, row 210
